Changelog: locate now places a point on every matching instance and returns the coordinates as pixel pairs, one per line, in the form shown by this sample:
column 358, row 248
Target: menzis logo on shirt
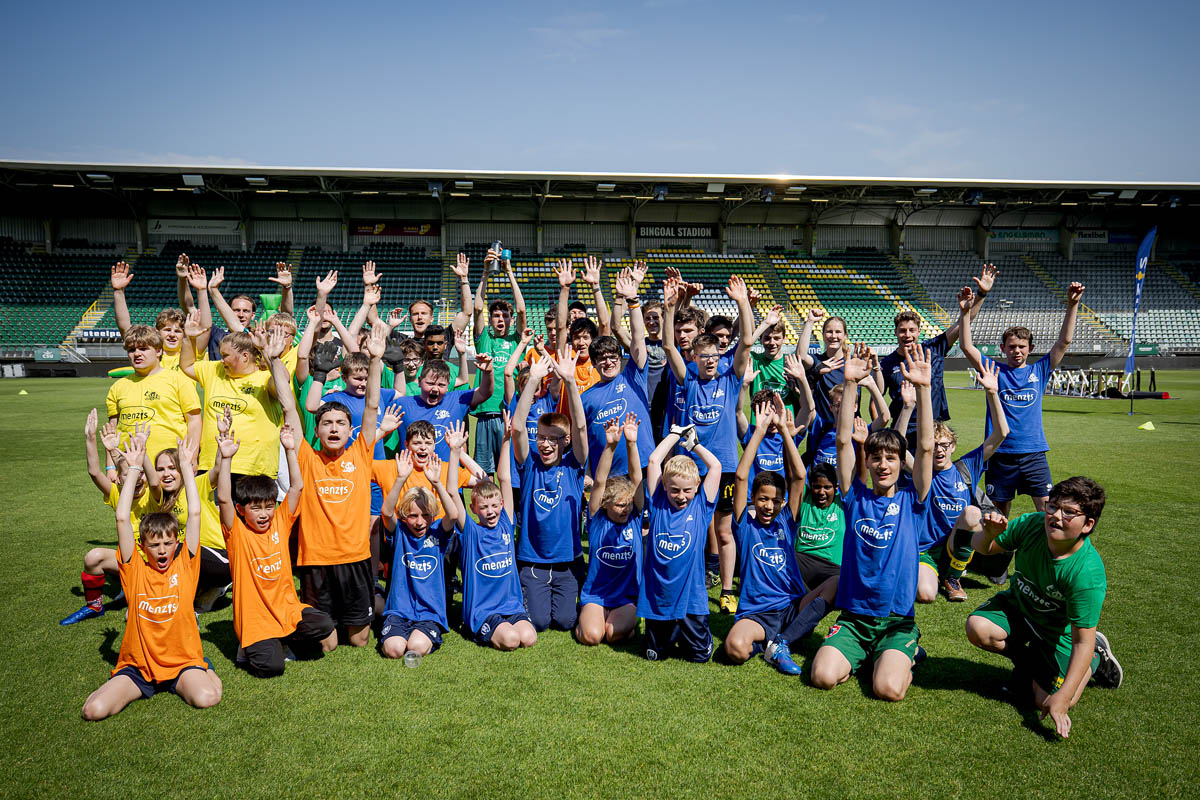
column 267, row 567
column 707, row 415
column 1020, row 398
column 420, row 566
column 157, row 609
column 672, row 545
column 873, row 533
column 769, row 556
column 614, row 556
column 614, row 410
column 334, row 490
column 496, row 565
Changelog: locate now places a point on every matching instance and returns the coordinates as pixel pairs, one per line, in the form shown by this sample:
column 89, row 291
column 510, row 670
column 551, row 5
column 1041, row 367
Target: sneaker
column 781, row 657
column 1000, row 579
column 87, row 612
column 1108, row 673
column 728, row 603
column 919, row 656
column 207, row 599
column 712, row 579
column 954, row 590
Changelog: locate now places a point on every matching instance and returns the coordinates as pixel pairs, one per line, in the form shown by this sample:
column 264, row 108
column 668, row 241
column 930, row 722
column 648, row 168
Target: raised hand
column 182, row 264
column 192, row 325
column 311, row 313
column 461, row 340
column 861, row 431
column 541, row 368
column 638, row 271
column 987, row 277
column 764, row 415
column 591, row 271
column 121, row 276
column 630, row 427
column 736, row 290
column 326, row 285
column 753, row 295
column 989, row 376
column 330, row 315
column 258, row 335
column 787, row 423
column 483, row 362
column 749, row 375
column 110, row 437
column 377, row 341
column 832, row 365
column 134, row 450
column 917, row 368
column 856, row 367
column 433, row 469
column 994, row 523
column 565, row 271
column 276, row 343
column 404, row 466
column 456, row 435
column 814, row 315
column 89, row 425
column 370, row 276
column 396, row 318
column 506, row 424
column 390, row 421
column 965, row 299
column 793, row 367
column 908, row 394
column 287, row 437
column 197, row 278
column 626, row 286
column 774, row 315
column 187, row 447
column 462, row 267
column 1074, row 293
column 672, row 291
column 227, row 445
column 217, row 278
column 372, row 294
column 283, row 275
column 612, row 432
column 225, row 421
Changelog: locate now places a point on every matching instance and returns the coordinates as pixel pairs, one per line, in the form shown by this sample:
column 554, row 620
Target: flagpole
column 1141, row 265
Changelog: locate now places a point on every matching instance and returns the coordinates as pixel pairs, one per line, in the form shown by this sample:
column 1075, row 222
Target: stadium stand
column 42, row 296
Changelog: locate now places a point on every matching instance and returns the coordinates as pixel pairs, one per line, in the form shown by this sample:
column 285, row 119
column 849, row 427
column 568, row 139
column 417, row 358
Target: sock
column 806, row 621
column 93, row 587
column 727, row 591
column 712, row 563
column 958, row 547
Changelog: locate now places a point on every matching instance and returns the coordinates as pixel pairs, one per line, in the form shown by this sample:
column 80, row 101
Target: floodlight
column 716, row 188
column 766, row 194
column 256, row 181
column 973, row 197
column 435, row 189
column 99, row 177
column 796, row 189
column 464, row 184
column 193, row 180
column 660, row 191
column 605, row 187
column 1127, row 194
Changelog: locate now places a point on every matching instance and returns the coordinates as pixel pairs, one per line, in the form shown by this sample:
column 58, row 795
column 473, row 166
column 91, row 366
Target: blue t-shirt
column 676, row 398
column 452, row 408
column 769, row 457
column 546, row 404
column 417, row 585
column 489, row 566
column 357, row 406
column 951, row 495
column 551, row 501
column 1021, row 392
column 821, row 384
column 672, row 583
column 614, row 561
column 770, row 575
column 624, row 394
column 822, row 442
column 712, row 407
column 893, row 377
column 880, row 551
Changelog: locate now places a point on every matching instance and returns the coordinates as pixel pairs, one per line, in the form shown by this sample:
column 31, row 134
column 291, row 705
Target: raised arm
column 193, row 329
column 633, row 458
column 565, row 272
column 479, row 309
column 810, row 320
column 970, row 351
column 881, row 414
column 120, row 278
column 134, row 453
column 504, row 465
column 792, row 462
column 404, row 468
column 510, row 367
column 1074, row 295
column 283, row 278
column 197, row 279
column 591, row 276
column 655, row 463
column 276, row 343
column 579, row 433
column 461, row 344
column 743, row 424
column 519, row 315
column 612, row 438
column 855, row 371
column 188, row 449
column 376, row 344
column 487, row 379
column 671, row 295
column 304, row 349
column 627, row 290
column 520, row 418
column 98, row 475
column 183, row 291
column 793, row 367
column 983, row 285
column 462, row 268
column 738, row 292
column 227, row 447
column 218, row 300
column 989, row 378
column 918, row 371
column 712, row 479
column 764, row 415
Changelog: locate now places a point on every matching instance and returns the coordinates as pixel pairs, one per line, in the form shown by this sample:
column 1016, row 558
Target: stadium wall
column 922, row 238
column 23, row 229
column 326, row 234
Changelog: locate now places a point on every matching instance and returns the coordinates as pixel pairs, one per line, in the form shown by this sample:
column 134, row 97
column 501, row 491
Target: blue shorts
column 688, row 638
column 489, row 432
column 151, row 688
column 483, row 636
column 376, row 500
column 1010, row 474
column 775, row 620
column 399, row 626
column 551, row 592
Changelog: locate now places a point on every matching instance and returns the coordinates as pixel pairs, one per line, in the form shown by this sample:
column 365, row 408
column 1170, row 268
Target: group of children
column 336, row 458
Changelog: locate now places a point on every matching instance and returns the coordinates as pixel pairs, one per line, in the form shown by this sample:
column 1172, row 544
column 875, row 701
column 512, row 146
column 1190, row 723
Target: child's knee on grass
column 927, row 584
column 395, row 646
column 110, row 698
column 200, row 689
column 971, row 519
column 358, row 635
column 892, row 675
column 526, row 633
column 100, row 560
column 829, row 668
column 506, row 637
column 420, row 644
column 985, row 634
column 591, row 631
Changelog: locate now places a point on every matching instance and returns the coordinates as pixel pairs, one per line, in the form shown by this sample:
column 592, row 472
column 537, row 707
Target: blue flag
column 1143, row 261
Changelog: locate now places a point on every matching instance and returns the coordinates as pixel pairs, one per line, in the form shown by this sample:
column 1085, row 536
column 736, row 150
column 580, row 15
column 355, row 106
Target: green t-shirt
column 770, row 376
column 500, row 348
column 387, row 380
column 821, row 530
column 1053, row 593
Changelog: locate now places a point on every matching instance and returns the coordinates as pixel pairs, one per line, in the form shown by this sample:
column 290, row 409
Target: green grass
column 562, row 720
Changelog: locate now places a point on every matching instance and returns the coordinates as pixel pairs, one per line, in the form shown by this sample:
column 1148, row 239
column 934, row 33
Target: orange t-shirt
column 335, row 506
column 161, row 635
column 586, row 376
column 265, row 605
column 385, row 475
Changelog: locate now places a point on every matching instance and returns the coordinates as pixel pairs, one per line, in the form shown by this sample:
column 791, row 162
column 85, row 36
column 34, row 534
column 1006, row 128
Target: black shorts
column 726, row 492
column 151, row 688
column 399, row 626
column 214, row 567
column 346, row 592
column 688, row 638
column 484, row 635
column 776, row 619
column 266, row 657
column 815, row 570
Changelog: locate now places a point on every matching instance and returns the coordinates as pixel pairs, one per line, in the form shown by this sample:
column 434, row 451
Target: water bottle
column 498, row 247
column 412, row 659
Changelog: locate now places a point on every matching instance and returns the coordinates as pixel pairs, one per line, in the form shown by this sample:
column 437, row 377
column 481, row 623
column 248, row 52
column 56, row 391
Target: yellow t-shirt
column 210, row 515
column 169, row 360
column 143, row 504
column 257, row 417
column 290, row 359
column 163, row 398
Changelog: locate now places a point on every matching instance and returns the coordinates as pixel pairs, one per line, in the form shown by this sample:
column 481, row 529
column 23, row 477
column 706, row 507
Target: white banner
column 192, row 226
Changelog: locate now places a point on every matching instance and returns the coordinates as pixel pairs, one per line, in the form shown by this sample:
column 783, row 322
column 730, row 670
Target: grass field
column 561, row 720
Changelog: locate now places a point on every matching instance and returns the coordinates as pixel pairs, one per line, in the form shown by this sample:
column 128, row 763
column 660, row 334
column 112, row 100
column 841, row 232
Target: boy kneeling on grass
column 1046, row 619
column 161, row 649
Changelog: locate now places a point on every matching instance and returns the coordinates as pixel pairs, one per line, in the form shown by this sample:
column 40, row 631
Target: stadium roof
column 545, row 185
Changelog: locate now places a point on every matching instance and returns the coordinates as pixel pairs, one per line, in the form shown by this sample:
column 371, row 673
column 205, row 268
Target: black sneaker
column 711, row 579
column 1108, row 673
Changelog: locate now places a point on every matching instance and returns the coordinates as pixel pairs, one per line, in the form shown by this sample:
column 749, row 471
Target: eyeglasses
column 1067, row 514
column 611, row 357
column 943, row 445
column 707, row 356
column 541, row 437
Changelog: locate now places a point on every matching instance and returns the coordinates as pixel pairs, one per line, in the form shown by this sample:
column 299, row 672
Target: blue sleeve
column 463, row 402
column 1043, row 368
column 974, row 462
column 936, row 344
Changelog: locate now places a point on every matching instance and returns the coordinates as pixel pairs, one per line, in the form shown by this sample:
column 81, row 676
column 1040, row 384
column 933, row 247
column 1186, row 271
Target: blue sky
column 1060, row 90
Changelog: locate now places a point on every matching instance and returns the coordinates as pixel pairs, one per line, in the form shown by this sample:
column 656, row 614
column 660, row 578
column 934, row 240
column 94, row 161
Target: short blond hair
column 485, row 490
column 681, row 467
column 943, row 431
column 617, row 489
column 284, row 320
column 422, row 498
